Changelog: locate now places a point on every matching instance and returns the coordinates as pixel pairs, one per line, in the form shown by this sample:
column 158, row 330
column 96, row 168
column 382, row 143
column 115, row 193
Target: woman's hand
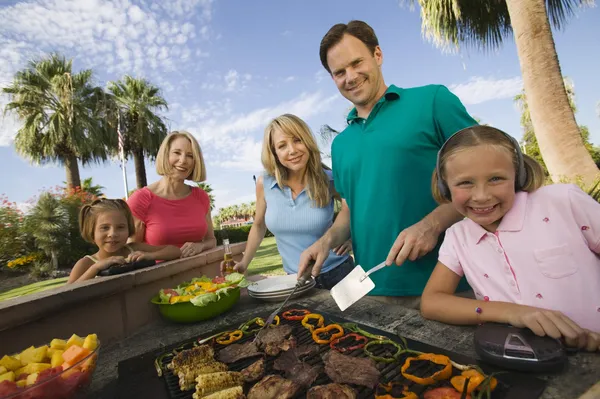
column 552, row 323
column 139, row 255
column 191, row 248
column 593, row 341
column 344, row 248
column 239, row 267
column 108, row 262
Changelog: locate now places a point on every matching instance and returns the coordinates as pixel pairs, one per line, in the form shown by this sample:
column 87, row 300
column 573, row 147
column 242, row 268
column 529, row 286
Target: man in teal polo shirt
column 382, row 166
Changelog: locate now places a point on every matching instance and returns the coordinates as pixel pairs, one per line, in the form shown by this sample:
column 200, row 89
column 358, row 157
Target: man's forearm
column 443, row 217
column 339, row 232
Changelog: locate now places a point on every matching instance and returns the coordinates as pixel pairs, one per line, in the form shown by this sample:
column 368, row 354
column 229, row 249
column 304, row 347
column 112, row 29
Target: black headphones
column 521, row 178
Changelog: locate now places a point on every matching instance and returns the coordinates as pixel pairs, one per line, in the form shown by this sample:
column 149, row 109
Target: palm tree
column 59, row 111
column 485, row 24
column 93, row 189
column 143, row 129
column 208, row 189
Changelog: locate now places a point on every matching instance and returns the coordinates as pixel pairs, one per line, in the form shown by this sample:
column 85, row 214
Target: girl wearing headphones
column 529, row 252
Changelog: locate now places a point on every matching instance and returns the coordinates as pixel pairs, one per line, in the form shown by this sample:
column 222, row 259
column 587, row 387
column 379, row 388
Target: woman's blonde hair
column 163, row 168
column 485, row 135
column 317, row 181
column 88, row 215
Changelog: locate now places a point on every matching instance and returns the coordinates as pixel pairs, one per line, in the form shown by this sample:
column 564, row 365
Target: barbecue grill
column 134, row 373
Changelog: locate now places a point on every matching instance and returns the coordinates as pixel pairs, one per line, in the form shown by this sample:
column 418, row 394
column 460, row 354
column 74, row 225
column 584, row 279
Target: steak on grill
column 273, row 340
column 351, row 370
column 273, row 387
column 331, row 391
column 235, row 352
column 255, row 371
column 301, row 373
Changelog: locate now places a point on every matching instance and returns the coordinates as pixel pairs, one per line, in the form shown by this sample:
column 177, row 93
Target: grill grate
column 389, row 371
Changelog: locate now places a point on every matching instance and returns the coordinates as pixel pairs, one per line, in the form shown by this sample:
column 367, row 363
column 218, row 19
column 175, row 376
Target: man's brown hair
column 359, row 29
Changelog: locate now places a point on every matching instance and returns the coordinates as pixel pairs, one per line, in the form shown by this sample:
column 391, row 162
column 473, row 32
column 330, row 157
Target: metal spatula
column 354, row 286
column 300, row 283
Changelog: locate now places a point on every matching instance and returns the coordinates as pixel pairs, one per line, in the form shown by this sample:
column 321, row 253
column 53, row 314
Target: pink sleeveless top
column 171, row 222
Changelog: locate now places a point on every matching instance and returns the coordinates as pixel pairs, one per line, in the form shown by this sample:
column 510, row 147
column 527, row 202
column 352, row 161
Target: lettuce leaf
column 237, row 279
column 164, row 298
column 205, row 299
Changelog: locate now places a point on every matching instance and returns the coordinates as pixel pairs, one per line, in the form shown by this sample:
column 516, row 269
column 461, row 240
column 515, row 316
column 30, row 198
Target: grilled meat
column 301, row 373
column 199, row 354
column 234, row 352
column 306, row 350
column 229, row 393
column 213, row 382
column 274, row 340
column 331, row 391
column 188, row 374
column 255, row 371
column 351, row 370
column 273, row 387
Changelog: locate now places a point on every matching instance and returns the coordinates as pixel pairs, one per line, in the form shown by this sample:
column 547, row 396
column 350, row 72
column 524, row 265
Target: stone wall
column 113, row 307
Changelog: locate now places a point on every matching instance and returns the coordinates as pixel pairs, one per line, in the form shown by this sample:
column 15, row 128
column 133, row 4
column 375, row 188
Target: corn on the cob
column 229, row 393
column 199, row 354
column 213, row 382
column 188, row 374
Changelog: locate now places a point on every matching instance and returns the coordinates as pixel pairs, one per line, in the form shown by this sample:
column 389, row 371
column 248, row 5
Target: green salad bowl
column 186, row 312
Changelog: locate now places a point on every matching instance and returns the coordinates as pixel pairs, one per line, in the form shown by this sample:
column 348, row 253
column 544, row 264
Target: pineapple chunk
column 10, row 363
column 39, row 354
column 21, row 383
column 58, row 344
column 74, row 340
column 37, row 367
column 57, row 358
column 10, row 376
column 22, row 370
column 91, row 342
column 3, row 370
column 27, row 355
column 50, row 352
column 31, row 378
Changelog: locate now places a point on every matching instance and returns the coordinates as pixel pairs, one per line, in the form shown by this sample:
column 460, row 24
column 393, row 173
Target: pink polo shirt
column 543, row 254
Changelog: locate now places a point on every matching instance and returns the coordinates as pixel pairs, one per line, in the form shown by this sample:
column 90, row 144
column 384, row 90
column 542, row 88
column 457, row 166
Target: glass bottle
column 228, row 257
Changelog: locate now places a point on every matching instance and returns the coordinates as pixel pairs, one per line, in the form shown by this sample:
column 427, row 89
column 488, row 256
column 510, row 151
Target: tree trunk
column 72, row 169
column 140, row 168
column 553, row 121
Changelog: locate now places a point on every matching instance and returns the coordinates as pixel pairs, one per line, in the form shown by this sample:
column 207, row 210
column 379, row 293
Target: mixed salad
column 203, row 290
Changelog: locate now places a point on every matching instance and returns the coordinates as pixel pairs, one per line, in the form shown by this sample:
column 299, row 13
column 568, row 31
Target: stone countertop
column 582, row 372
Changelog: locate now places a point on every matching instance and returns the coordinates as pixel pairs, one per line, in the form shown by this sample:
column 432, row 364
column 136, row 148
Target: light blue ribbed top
column 297, row 224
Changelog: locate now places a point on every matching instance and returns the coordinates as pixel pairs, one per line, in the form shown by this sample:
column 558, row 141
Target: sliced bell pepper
column 390, row 392
column 311, row 327
column 259, row 321
column 295, row 314
column 325, row 330
column 359, row 342
column 443, row 374
column 477, row 381
column 355, row 328
column 380, row 358
column 229, row 337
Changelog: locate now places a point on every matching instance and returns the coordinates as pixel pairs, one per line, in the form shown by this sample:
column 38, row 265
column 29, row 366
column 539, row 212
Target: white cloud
column 247, row 155
column 290, row 78
column 231, row 80
column 478, row 89
column 320, row 75
column 286, row 33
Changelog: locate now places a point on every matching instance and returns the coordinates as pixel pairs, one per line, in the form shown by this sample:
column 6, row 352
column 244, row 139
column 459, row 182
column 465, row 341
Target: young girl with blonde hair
column 108, row 223
column 529, row 252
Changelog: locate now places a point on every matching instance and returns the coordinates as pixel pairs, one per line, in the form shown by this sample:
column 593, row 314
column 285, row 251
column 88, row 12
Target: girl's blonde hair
column 88, row 215
column 163, row 168
column 316, row 180
column 485, row 135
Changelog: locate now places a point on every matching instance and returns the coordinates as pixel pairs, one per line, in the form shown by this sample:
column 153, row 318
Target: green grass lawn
column 267, row 261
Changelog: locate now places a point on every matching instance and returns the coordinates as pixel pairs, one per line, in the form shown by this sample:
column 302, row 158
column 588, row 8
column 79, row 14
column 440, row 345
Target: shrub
column 237, row 234
column 14, row 242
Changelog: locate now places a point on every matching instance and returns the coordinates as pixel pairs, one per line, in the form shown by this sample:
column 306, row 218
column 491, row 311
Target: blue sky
column 226, row 67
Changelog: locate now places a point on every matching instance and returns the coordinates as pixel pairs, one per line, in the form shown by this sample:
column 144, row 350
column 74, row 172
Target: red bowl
column 55, row 383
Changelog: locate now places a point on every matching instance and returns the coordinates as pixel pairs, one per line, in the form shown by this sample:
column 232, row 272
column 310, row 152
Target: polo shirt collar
column 392, row 93
column 513, row 220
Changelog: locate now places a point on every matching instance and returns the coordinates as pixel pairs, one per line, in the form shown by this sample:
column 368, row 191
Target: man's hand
column 191, row 249
column 318, row 252
column 413, row 243
column 344, row 248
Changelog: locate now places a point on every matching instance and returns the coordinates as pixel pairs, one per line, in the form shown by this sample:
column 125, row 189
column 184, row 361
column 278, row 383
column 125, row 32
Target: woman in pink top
column 169, row 212
column 529, row 253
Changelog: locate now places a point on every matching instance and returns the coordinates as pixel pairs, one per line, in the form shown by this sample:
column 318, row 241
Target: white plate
column 308, row 286
column 275, row 285
column 279, row 298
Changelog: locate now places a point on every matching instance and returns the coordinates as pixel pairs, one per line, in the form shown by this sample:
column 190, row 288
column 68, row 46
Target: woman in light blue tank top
column 295, row 200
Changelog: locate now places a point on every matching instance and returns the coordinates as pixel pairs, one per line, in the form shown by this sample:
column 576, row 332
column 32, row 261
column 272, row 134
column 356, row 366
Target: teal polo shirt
column 382, row 167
